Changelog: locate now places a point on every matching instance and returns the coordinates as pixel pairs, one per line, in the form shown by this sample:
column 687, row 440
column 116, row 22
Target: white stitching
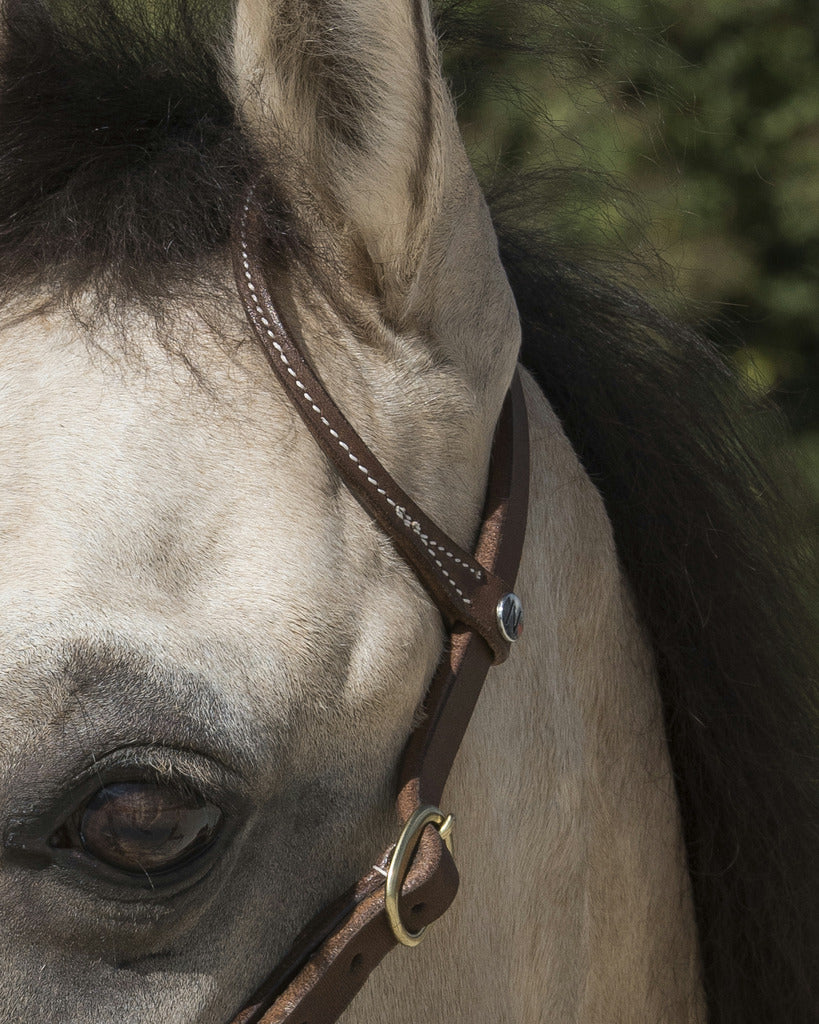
column 408, row 522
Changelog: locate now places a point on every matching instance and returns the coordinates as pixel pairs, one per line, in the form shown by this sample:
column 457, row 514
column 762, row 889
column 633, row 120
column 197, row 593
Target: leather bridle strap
column 333, row 956
column 464, row 590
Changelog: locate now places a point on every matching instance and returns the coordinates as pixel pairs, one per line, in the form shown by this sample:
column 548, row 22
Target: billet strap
column 332, row 958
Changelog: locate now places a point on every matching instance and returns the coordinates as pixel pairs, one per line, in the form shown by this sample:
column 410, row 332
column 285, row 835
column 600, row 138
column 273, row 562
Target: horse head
column 211, row 657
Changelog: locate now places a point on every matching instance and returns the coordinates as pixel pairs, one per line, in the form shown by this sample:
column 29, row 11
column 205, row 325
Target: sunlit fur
column 182, row 569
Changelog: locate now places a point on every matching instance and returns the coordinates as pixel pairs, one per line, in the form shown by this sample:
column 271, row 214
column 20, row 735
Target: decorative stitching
column 409, row 523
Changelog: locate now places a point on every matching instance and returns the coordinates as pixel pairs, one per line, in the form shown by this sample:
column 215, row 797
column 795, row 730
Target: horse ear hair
column 351, row 91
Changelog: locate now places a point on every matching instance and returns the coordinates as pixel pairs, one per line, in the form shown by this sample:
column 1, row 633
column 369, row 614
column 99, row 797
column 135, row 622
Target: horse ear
column 351, row 91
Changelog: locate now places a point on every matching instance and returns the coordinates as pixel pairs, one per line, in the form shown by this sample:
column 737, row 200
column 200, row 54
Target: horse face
column 209, row 659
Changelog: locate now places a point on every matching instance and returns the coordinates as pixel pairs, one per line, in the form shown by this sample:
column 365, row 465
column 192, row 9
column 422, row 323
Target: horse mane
column 122, row 163
column 717, row 563
column 713, row 534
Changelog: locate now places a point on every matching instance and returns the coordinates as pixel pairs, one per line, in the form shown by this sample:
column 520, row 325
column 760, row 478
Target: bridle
column 415, row 881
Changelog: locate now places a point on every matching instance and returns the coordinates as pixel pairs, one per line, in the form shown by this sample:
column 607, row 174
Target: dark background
column 693, row 127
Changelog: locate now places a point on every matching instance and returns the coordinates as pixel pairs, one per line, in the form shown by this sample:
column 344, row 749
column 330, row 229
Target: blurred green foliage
column 707, row 113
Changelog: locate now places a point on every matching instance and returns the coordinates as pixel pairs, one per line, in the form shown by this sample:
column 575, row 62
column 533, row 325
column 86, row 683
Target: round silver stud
column 510, row 617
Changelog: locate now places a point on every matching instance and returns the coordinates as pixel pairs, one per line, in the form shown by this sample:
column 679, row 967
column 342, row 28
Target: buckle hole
column 419, row 908
column 356, row 963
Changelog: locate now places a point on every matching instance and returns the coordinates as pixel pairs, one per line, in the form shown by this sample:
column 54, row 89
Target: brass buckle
column 399, row 863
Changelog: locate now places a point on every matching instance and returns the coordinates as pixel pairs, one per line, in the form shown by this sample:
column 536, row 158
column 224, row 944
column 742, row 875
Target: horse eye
column 144, row 827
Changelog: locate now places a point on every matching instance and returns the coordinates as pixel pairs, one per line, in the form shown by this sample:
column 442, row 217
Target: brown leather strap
column 457, row 684
column 335, row 953
column 316, row 989
column 463, row 589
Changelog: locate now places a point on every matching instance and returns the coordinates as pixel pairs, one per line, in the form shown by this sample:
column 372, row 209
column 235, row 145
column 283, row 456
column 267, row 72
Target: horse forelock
column 122, row 162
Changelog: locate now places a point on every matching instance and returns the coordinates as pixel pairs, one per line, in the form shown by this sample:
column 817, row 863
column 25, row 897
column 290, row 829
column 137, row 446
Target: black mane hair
column 122, row 163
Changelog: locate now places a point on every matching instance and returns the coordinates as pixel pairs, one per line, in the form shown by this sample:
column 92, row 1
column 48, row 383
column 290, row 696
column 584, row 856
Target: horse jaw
column 575, row 900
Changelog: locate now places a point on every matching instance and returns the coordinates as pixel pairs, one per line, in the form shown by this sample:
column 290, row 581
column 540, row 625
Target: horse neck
column 574, row 885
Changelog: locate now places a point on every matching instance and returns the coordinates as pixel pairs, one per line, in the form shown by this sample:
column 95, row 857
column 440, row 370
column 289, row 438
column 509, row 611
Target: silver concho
column 510, row 617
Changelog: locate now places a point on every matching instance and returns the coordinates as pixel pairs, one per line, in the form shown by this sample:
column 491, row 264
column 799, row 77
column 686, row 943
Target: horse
column 212, row 656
